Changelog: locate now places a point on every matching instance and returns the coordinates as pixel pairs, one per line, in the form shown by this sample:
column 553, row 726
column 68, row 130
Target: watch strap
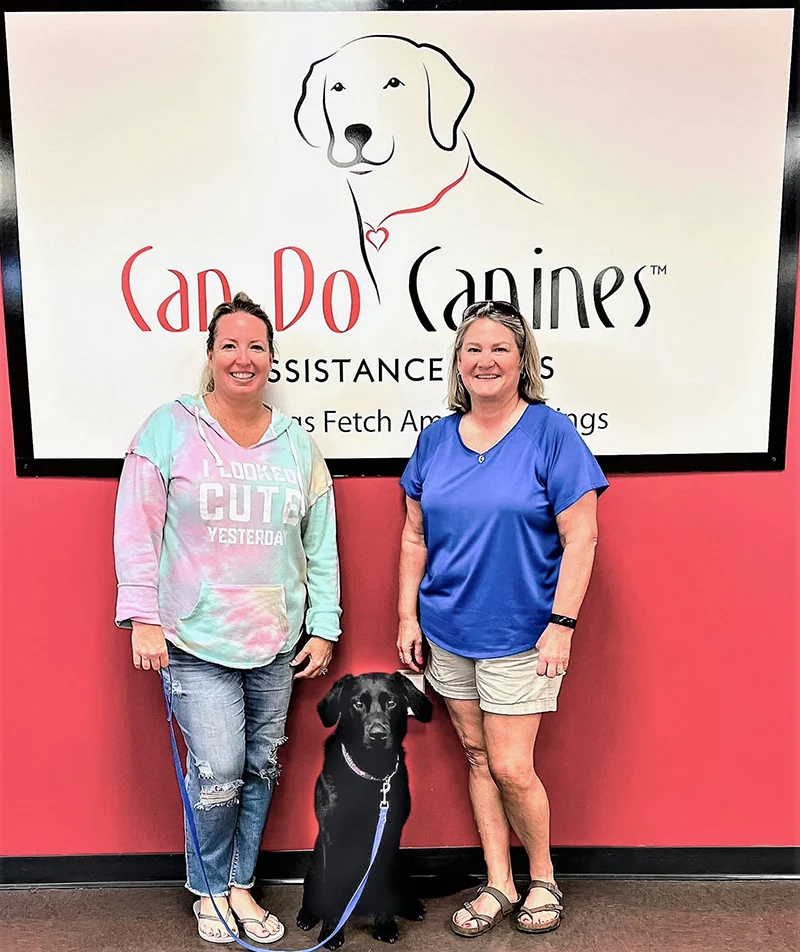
column 564, row 620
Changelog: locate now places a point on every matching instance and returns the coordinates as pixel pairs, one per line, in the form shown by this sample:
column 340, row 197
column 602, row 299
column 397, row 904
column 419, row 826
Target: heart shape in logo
column 377, row 237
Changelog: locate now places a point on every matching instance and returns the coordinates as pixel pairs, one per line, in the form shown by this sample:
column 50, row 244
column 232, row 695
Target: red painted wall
column 679, row 721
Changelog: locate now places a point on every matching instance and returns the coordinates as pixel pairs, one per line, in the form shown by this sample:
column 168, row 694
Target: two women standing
column 226, row 551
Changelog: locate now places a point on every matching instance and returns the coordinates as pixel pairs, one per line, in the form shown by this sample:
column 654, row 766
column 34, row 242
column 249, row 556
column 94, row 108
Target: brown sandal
column 507, row 908
column 531, row 911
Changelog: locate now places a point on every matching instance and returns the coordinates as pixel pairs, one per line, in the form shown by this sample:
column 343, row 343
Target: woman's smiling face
column 240, row 359
column 489, row 361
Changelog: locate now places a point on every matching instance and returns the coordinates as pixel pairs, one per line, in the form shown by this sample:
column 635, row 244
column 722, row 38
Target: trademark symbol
column 658, row 268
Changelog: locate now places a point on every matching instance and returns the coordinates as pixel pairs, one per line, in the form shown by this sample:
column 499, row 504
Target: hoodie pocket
column 237, row 624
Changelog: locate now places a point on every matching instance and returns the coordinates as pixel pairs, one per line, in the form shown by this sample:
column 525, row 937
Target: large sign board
column 622, row 175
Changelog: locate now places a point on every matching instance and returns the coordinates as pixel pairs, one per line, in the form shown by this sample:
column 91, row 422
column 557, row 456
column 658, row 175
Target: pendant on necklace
column 481, row 458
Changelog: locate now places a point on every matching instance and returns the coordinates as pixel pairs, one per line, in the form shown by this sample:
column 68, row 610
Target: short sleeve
column 570, row 468
column 411, row 480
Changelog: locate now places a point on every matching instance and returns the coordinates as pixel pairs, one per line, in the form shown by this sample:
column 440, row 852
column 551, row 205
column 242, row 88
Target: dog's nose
column 358, row 135
column 378, row 732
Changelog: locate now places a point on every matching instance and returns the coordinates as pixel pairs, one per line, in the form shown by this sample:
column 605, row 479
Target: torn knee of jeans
column 219, row 795
column 271, row 771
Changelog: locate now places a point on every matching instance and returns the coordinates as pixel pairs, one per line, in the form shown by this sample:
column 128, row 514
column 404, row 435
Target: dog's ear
column 329, row 708
column 421, row 706
column 309, row 113
column 450, row 92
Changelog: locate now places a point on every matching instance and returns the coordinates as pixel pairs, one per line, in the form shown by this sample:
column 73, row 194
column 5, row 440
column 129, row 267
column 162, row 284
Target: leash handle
column 188, row 811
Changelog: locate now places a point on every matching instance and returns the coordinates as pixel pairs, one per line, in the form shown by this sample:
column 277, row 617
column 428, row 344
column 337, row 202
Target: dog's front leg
column 411, row 907
column 385, row 928
column 305, row 919
column 335, row 942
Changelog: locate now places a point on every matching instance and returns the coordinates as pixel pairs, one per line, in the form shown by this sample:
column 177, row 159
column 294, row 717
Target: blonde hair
column 530, row 387
column 240, row 304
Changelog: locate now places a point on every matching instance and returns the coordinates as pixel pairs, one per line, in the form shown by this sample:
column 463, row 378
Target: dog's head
column 372, row 709
column 379, row 97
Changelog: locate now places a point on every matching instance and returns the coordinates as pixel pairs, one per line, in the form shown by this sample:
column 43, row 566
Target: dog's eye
column 337, row 87
column 394, row 82
column 390, row 704
column 358, row 705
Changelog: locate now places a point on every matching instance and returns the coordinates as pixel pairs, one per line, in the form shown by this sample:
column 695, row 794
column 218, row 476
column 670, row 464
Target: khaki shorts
column 502, row 685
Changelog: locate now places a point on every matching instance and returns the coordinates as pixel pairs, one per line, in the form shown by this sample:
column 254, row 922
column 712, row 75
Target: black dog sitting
column 365, row 748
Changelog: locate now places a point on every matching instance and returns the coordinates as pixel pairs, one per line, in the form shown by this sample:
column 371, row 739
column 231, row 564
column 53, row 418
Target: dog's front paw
column 305, row 920
column 385, row 929
column 413, row 909
column 335, row 941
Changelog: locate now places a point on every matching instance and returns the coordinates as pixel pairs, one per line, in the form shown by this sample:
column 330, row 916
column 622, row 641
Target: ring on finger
column 323, row 670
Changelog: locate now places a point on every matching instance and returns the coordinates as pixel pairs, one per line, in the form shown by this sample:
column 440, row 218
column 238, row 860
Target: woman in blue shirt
column 497, row 551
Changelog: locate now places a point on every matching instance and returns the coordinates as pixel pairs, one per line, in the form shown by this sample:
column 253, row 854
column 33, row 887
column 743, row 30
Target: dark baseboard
column 440, row 871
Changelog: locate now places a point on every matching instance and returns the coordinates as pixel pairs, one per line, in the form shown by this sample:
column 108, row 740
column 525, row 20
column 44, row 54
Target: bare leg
column 487, row 808
column 510, row 741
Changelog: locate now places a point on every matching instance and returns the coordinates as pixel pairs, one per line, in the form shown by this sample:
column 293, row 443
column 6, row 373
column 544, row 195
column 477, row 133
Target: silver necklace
column 501, row 433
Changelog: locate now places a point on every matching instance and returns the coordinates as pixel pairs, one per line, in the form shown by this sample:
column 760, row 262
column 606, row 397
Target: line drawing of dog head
column 371, row 709
column 379, row 97
column 388, row 112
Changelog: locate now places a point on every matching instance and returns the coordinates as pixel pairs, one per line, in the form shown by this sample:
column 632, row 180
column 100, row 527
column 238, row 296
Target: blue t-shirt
column 494, row 551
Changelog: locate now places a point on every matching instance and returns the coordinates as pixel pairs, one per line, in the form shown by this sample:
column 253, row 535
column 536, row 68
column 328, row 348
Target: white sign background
column 651, row 141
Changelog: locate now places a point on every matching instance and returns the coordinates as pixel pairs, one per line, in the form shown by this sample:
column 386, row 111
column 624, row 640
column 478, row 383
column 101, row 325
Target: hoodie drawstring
column 204, row 438
column 218, row 460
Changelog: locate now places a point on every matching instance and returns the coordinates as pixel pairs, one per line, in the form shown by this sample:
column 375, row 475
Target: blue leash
column 189, row 814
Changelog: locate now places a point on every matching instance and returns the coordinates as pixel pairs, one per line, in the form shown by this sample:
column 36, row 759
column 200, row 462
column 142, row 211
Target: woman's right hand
column 149, row 647
column 409, row 643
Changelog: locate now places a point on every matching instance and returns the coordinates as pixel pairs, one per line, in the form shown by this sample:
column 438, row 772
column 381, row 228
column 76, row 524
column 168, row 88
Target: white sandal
column 221, row 939
column 265, row 939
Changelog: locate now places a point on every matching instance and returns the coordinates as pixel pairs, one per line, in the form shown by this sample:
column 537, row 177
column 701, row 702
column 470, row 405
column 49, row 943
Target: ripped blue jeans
column 233, row 723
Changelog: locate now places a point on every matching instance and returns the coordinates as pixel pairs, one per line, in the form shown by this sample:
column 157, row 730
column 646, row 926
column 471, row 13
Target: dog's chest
column 353, row 811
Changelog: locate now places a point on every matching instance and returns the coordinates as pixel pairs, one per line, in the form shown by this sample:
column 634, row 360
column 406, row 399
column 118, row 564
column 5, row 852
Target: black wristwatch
column 564, row 620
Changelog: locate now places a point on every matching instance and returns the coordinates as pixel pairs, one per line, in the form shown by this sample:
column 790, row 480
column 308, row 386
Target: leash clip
column 385, row 788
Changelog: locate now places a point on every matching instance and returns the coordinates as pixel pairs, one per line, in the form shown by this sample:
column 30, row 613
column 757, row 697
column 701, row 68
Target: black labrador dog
column 365, row 748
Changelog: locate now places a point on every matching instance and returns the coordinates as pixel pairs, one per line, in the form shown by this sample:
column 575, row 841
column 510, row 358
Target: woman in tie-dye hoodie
column 225, row 545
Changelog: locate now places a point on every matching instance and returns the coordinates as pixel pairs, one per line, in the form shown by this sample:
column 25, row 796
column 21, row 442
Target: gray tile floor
column 601, row 916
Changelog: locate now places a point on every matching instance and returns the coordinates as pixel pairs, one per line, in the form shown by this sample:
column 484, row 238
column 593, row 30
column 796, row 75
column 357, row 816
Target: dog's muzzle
column 377, row 735
column 358, row 135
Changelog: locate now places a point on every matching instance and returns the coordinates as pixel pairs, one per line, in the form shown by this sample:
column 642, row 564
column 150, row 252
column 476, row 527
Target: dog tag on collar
column 481, row 458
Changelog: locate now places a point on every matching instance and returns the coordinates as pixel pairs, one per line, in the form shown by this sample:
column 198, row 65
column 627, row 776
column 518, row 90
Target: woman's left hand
column 554, row 647
column 317, row 652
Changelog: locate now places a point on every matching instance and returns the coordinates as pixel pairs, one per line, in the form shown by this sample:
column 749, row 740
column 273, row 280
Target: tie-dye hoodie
column 231, row 549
